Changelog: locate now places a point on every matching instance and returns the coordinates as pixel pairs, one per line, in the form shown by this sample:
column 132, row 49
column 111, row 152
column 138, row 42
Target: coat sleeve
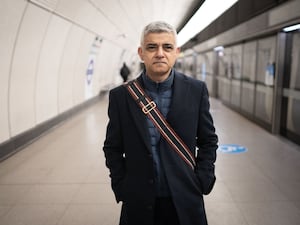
column 207, row 144
column 113, row 147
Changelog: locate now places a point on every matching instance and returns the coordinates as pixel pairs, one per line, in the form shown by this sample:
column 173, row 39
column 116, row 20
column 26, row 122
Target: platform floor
column 61, row 179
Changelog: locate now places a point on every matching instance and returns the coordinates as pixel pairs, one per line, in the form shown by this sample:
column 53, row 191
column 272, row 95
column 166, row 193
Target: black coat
column 128, row 154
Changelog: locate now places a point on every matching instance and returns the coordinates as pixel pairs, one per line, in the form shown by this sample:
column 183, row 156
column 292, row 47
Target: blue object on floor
column 232, row 148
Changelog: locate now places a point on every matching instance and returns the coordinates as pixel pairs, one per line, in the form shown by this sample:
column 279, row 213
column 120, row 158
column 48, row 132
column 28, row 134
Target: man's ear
column 140, row 52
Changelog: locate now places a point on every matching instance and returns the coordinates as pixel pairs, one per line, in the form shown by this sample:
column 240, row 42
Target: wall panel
column 67, row 68
column 81, row 65
column 48, row 69
column 109, row 65
column 11, row 12
column 24, row 68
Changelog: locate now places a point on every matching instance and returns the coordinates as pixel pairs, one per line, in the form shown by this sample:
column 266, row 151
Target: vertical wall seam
column 37, row 68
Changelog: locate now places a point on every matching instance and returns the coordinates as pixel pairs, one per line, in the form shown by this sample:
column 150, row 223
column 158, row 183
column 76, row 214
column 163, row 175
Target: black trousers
column 165, row 212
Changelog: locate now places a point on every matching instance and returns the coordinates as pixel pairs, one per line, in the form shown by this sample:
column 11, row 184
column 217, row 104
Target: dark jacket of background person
column 128, row 153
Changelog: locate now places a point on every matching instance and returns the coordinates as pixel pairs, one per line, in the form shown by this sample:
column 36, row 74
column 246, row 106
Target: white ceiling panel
column 121, row 21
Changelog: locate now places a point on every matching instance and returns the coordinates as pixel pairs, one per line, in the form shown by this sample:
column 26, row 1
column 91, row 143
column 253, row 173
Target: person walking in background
column 161, row 143
column 124, row 72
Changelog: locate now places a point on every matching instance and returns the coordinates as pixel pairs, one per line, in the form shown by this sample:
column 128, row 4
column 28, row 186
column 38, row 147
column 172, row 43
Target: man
column 124, row 72
column 155, row 184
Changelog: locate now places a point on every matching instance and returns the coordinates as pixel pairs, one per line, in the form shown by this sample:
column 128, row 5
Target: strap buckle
column 147, row 108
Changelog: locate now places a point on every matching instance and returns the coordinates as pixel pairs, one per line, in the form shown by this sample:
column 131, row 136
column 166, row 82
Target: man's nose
column 160, row 51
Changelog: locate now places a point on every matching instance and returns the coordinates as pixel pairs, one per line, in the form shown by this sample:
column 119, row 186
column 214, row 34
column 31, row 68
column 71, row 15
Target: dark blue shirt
column 161, row 94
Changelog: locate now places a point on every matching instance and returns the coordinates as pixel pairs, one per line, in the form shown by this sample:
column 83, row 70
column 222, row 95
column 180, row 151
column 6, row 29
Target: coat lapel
column 140, row 119
column 179, row 99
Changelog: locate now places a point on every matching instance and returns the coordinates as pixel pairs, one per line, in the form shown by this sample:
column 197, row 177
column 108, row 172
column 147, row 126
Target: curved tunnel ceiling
column 121, row 21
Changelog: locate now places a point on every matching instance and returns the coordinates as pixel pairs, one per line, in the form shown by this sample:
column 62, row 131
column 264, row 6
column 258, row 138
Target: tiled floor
column 61, row 179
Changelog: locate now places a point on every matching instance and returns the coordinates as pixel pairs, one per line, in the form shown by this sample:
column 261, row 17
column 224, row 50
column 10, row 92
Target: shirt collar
column 155, row 86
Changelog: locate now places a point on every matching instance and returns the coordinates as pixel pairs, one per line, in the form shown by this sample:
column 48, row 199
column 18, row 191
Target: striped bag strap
column 149, row 108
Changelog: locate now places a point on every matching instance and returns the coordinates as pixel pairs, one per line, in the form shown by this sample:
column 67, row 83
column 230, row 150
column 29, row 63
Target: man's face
column 159, row 53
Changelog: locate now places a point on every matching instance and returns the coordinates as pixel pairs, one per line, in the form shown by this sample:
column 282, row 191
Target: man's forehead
column 159, row 38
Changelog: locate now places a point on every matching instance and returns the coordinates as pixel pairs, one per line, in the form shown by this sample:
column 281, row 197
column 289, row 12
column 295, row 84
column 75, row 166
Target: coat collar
column 154, row 86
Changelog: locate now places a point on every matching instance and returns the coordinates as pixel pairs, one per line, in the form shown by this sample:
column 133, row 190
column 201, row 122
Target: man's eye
column 151, row 47
column 168, row 47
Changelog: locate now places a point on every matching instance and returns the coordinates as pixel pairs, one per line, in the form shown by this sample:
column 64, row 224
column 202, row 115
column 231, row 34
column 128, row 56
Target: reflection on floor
column 61, row 179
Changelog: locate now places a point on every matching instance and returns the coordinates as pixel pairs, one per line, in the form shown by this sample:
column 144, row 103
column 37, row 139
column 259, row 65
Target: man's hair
column 158, row 27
